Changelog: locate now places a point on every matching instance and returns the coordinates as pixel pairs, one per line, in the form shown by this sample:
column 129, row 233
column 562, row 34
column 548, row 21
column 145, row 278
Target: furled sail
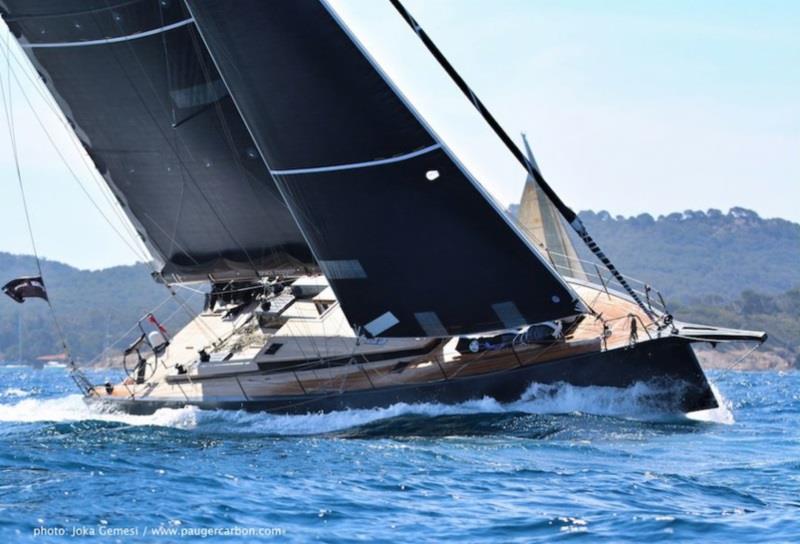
column 411, row 244
column 541, row 221
column 134, row 80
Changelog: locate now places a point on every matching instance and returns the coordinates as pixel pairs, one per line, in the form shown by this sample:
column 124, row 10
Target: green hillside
column 733, row 269
column 695, row 253
column 95, row 307
column 776, row 314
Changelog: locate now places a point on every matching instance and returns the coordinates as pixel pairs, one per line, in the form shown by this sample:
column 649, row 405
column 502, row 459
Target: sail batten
column 106, row 41
column 352, row 166
column 411, row 245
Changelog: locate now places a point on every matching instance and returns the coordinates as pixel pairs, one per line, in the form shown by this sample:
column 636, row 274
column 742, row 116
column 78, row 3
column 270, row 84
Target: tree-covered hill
column 94, row 307
column 776, row 314
column 695, row 253
column 733, row 269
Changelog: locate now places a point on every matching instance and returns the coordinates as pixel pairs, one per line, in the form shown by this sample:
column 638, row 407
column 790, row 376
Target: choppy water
column 561, row 464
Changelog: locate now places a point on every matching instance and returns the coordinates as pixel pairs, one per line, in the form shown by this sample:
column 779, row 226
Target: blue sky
column 630, row 107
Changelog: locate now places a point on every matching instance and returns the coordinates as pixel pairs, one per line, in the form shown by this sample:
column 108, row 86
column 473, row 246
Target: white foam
column 15, row 392
column 72, row 408
column 320, row 423
column 721, row 414
column 639, row 401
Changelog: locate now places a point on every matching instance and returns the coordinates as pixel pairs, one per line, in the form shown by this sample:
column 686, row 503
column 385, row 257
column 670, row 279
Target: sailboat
column 350, row 259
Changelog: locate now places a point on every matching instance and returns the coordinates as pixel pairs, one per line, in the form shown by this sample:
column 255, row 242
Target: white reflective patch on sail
column 382, row 323
column 430, row 323
column 353, row 165
column 509, row 314
column 343, row 270
column 104, row 41
column 199, row 95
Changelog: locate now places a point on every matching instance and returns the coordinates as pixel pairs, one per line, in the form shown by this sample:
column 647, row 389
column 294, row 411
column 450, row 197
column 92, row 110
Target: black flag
column 28, row 287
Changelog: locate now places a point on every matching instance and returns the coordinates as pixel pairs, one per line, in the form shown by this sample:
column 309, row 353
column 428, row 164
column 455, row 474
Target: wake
column 641, row 401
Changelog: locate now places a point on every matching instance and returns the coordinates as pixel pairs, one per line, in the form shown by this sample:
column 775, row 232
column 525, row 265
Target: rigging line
column 136, row 251
column 112, row 202
column 173, row 149
column 25, row 16
column 126, row 333
column 168, row 66
column 202, row 326
column 172, row 239
column 190, row 289
column 153, row 119
column 8, row 107
column 200, row 51
column 744, row 356
column 283, row 190
column 571, row 217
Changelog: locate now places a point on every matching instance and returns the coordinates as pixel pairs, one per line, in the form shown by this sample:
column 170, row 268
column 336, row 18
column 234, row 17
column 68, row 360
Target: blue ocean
column 561, row 464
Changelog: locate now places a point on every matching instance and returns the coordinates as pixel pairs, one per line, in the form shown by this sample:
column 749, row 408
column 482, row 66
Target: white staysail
column 542, row 223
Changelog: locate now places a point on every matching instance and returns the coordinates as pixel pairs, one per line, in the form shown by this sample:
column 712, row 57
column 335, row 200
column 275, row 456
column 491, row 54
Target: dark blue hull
column 669, row 363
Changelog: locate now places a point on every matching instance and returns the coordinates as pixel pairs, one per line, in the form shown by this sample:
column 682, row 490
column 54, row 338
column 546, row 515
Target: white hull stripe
column 110, row 40
column 354, row 165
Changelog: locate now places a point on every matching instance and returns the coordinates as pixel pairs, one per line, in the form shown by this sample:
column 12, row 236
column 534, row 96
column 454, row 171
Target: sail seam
column 355, row 165
column 118, row 39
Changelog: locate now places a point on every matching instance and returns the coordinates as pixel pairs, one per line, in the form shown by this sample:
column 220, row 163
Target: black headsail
column 410, row 242
column 135, row 82
column 570, row 216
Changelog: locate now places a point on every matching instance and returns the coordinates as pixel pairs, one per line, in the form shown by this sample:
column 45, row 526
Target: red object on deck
column 152, row 319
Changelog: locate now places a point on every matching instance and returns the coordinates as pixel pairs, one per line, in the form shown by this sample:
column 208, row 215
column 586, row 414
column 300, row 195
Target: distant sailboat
column 353, row 260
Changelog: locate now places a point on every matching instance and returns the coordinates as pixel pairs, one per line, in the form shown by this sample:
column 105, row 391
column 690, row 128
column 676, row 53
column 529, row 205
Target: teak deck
column 247, row 379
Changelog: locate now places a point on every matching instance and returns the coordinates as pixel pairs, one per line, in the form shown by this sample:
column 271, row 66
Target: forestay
column 135, row 82
column 411, row 244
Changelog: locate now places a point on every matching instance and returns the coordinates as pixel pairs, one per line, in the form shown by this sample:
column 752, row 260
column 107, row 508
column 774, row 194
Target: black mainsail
column 135, row 82
column 412, row 245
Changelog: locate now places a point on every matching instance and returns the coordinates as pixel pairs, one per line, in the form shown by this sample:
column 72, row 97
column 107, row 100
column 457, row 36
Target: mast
column 570, row 216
